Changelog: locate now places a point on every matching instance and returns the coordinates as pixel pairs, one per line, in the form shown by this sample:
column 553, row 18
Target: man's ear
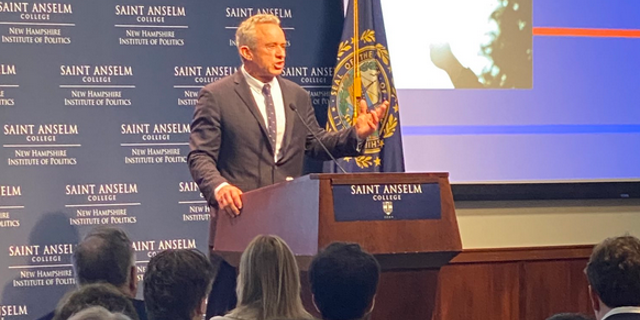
column 595, row 299
column 313, row 299
column 371, row 305
column 203, row 306
column 133, row 281
column 246, row 53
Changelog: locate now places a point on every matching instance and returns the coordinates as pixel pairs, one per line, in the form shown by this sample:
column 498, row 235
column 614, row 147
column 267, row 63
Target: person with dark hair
column 176, row 285
column 344, row 280
column 98, row 294
column 106, row 255
column 569, row 316
column 613, row 272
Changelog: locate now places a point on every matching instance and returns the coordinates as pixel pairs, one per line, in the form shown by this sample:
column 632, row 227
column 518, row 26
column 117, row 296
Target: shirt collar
column 256, row 84
column 620, row 310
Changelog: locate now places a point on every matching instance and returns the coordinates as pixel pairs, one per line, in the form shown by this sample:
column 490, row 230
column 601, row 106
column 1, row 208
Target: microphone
column 317, row 139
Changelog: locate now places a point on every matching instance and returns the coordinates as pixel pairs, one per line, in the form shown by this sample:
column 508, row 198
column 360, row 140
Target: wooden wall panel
column 393, row 299
column 478, row 291
column 554, row 286
column 514, row 284
column 487, row 284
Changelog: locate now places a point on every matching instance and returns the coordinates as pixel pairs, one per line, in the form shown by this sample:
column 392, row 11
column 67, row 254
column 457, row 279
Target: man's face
column 266, row 60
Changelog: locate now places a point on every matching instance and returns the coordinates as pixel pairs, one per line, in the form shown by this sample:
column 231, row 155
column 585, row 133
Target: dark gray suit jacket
column 229, row 139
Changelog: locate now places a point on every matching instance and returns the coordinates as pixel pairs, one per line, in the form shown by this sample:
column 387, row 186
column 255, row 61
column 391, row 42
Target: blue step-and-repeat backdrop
column 96, row 98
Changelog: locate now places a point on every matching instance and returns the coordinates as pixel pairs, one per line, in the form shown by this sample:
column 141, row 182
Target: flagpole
column 357, row 80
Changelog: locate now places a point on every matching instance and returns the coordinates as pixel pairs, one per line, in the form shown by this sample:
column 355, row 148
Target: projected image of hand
column 443, row 58
column 488, row 45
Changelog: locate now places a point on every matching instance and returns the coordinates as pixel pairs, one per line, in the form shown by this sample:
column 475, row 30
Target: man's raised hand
column 368, row 120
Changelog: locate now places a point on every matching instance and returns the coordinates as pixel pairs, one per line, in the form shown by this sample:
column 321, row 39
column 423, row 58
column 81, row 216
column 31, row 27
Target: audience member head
column 98, row 313
column 268, row 282
column 176, row 285
column 97, row 294
column 569, row 316
column 106, row 255
column 343, row 281
column 613, row 272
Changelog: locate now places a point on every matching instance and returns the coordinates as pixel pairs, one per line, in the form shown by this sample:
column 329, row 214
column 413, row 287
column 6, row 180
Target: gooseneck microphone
column 318, row 139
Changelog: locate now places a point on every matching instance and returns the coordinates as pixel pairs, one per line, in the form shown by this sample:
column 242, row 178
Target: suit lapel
column 287, row 98
column 243, row 90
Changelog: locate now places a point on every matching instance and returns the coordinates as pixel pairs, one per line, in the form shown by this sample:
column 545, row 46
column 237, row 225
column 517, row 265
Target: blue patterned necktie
column 271, row 115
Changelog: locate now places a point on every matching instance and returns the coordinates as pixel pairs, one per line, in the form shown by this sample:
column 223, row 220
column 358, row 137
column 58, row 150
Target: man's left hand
column 368, row 120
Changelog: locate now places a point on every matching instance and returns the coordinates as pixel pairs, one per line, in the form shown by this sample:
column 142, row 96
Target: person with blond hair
column 268, row 283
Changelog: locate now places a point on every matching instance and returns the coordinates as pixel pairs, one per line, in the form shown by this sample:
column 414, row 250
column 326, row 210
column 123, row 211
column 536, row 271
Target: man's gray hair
column 105, row 255
column 98, row 313
column 246, row 33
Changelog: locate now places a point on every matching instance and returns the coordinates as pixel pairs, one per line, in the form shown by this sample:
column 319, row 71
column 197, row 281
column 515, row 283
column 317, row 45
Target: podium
column 409, row 249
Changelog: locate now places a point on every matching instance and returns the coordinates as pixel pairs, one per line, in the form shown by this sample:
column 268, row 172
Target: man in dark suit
column 106, row 255
column 245, row 132
column 613, row 272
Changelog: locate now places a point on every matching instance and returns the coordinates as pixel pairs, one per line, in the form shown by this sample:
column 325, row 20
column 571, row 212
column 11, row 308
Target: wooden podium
column 301, row 212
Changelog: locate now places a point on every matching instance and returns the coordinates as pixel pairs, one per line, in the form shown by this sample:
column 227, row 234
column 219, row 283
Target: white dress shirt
column 278, row 102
